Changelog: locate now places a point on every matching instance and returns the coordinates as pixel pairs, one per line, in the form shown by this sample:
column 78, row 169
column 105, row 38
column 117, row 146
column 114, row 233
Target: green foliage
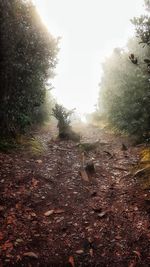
column 124, row 96
column 27, row 60
column 64, row 119
column 142, row 25
column 43, row 112
column 7, row 145
column 125, row 91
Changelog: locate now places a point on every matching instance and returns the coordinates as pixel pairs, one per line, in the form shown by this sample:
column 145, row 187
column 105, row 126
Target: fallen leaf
column 80, row 251
column 34, row 182
column 7, row 245
column 33, row 214
column 11, row 219
column 137, row 253
column 18, row 240
column 31, row 255
column 132, row 264
column 18, row 258
column 39, row 161
column 91, row 252
column 118, row 237
column 49, row 212
column 58, row 211
column 2, row 208
column 18, row 206
column 102, row 214
column 71, row 261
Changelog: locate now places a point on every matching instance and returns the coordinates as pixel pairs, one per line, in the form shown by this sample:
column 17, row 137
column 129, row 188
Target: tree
column 28, row 57
column 125, row 91
column 142, row 25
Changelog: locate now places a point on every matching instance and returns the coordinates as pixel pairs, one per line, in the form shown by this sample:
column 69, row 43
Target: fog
column 89, row 30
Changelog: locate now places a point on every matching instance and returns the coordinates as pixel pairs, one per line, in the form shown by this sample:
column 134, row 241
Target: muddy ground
column 51, row 216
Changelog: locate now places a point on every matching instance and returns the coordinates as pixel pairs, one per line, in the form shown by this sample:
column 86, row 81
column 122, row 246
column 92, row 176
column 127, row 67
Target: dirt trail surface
column 50, row 216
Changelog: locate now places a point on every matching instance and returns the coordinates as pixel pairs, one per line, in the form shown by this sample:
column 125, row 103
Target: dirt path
column 50, row 216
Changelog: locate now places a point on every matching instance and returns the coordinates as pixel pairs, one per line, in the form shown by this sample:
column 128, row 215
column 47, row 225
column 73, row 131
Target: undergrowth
column 22, row 142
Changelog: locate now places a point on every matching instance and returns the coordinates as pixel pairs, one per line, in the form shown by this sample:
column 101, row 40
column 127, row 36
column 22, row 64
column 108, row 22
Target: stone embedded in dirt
column 49, row 212
column 31, row 255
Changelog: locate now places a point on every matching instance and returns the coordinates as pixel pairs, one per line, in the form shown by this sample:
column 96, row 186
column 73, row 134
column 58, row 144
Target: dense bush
column 125, row 91
column 27, row 60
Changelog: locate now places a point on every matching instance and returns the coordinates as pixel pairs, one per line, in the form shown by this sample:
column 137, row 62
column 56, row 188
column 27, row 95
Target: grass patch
column 144, row 166
column 31, row 145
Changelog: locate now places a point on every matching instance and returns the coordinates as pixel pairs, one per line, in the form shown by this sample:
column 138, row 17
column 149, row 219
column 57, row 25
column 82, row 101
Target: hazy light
column 90, row 29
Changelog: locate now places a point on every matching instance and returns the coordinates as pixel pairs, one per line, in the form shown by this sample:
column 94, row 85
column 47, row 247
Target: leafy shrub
column 64, row 119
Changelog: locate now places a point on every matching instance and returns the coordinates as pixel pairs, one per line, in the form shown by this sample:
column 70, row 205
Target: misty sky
column 90, row 29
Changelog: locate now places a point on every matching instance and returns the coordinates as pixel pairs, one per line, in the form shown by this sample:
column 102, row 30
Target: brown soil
column 50, row 216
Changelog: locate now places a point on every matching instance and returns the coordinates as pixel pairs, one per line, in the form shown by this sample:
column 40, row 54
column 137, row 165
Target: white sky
column 90, row 29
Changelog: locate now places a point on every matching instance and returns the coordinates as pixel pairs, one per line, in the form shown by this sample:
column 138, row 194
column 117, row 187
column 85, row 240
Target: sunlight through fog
column 89, row 30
